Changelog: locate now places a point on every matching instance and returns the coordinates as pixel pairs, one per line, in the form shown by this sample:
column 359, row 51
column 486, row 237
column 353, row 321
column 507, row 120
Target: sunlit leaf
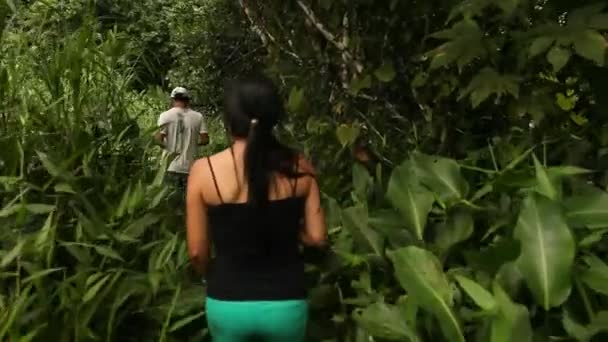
column 547, row 250
column 545, row 185
column 413, row 202
column 420, row 274
column 480, row 296
column 347, row 134
column 384, row 321
column 513, row 320
column 358, row 84
column 94, row 289
column 441, row 175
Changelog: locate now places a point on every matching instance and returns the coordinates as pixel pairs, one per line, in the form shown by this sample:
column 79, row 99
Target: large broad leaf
column 589, row 209
column 512, row 322
column 591, row 44
column 540, row 45
column 413, row 201
column 582, row 333
column 389, row 223
column 480, row 296
column 420, row 274
column 384, row 321
column 558, row 57
column 595, row 275
column 362, row 181
column 356, row 220
column 457, row 228
column 441, row 175
column 547, row 250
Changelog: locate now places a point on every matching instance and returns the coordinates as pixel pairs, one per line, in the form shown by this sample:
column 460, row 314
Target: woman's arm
column 315, row 231
column 196, row 220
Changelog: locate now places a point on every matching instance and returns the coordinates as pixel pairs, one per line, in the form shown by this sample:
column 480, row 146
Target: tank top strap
column 217, row 188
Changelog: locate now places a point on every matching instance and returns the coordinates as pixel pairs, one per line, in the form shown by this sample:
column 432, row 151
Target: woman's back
column 256, row 248
column 255, row 203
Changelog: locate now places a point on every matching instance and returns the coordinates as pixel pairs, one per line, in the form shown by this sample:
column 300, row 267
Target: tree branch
column 328, row 35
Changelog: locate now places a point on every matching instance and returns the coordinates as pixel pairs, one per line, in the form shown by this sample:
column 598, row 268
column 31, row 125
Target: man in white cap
column 181, row 131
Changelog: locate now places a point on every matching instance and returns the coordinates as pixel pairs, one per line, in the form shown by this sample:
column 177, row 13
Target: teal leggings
column 267, row 321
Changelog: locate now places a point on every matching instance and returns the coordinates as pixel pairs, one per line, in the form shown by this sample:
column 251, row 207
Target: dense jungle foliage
column 462, row 148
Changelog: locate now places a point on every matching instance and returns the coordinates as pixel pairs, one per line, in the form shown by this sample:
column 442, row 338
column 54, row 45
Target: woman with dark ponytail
column 255, row 202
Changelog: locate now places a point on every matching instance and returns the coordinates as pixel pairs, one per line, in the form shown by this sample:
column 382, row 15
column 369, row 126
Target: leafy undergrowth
column 435, row 253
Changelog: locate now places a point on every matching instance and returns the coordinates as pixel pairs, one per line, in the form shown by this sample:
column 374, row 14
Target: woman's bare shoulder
column 201, row 165
column 305, row 165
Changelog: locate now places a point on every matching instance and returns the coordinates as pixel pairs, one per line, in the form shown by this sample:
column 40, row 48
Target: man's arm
column 159, row 138
column 203, row 133
column 161, row 133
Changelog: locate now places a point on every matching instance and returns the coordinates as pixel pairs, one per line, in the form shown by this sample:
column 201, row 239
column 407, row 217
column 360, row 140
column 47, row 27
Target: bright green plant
column 517, row 256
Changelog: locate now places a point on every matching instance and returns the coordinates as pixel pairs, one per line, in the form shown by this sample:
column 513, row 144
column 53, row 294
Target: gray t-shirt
column 182, row 128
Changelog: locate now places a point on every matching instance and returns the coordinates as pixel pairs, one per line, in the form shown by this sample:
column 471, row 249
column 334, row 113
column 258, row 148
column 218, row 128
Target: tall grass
column 91, row 249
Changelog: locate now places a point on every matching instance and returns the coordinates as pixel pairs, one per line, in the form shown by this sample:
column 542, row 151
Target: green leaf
column 458, row 227
column 356, row 220
column 347, row 134
column 108, row 252
column 593, row 238
column 11, row 5
column 480, row 296
column 185, row 321
column 540, row 45
column 384, row 321
column 595, row 275
column 441, row 175
column 591, row 45
column 39, row 209
column 420, row 79
column 50, row 167
column 440, row 59
column 93, row 290
column 358, row 84
column 599, row 21
column 413, row 202
column 567, row 170
column 64, row 187
column 547, row 250
column 362, row 181
column 296, row 97
column 508, row 6
column 589, row 209
column 386, row 72
column 512, row 322
column 489, row 82
column 13, row 254
column 42, row 274
column 582, row 333
column 574, row 329
column 420, row 274
column 558, row 57
column 545, row 185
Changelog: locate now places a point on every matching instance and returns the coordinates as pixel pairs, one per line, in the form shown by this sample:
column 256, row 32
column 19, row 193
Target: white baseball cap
column 179, row 92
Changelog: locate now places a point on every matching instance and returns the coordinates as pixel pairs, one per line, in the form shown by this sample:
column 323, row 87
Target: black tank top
column 257, row 255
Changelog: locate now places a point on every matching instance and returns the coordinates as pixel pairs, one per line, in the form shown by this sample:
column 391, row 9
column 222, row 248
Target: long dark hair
column 253, row 108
